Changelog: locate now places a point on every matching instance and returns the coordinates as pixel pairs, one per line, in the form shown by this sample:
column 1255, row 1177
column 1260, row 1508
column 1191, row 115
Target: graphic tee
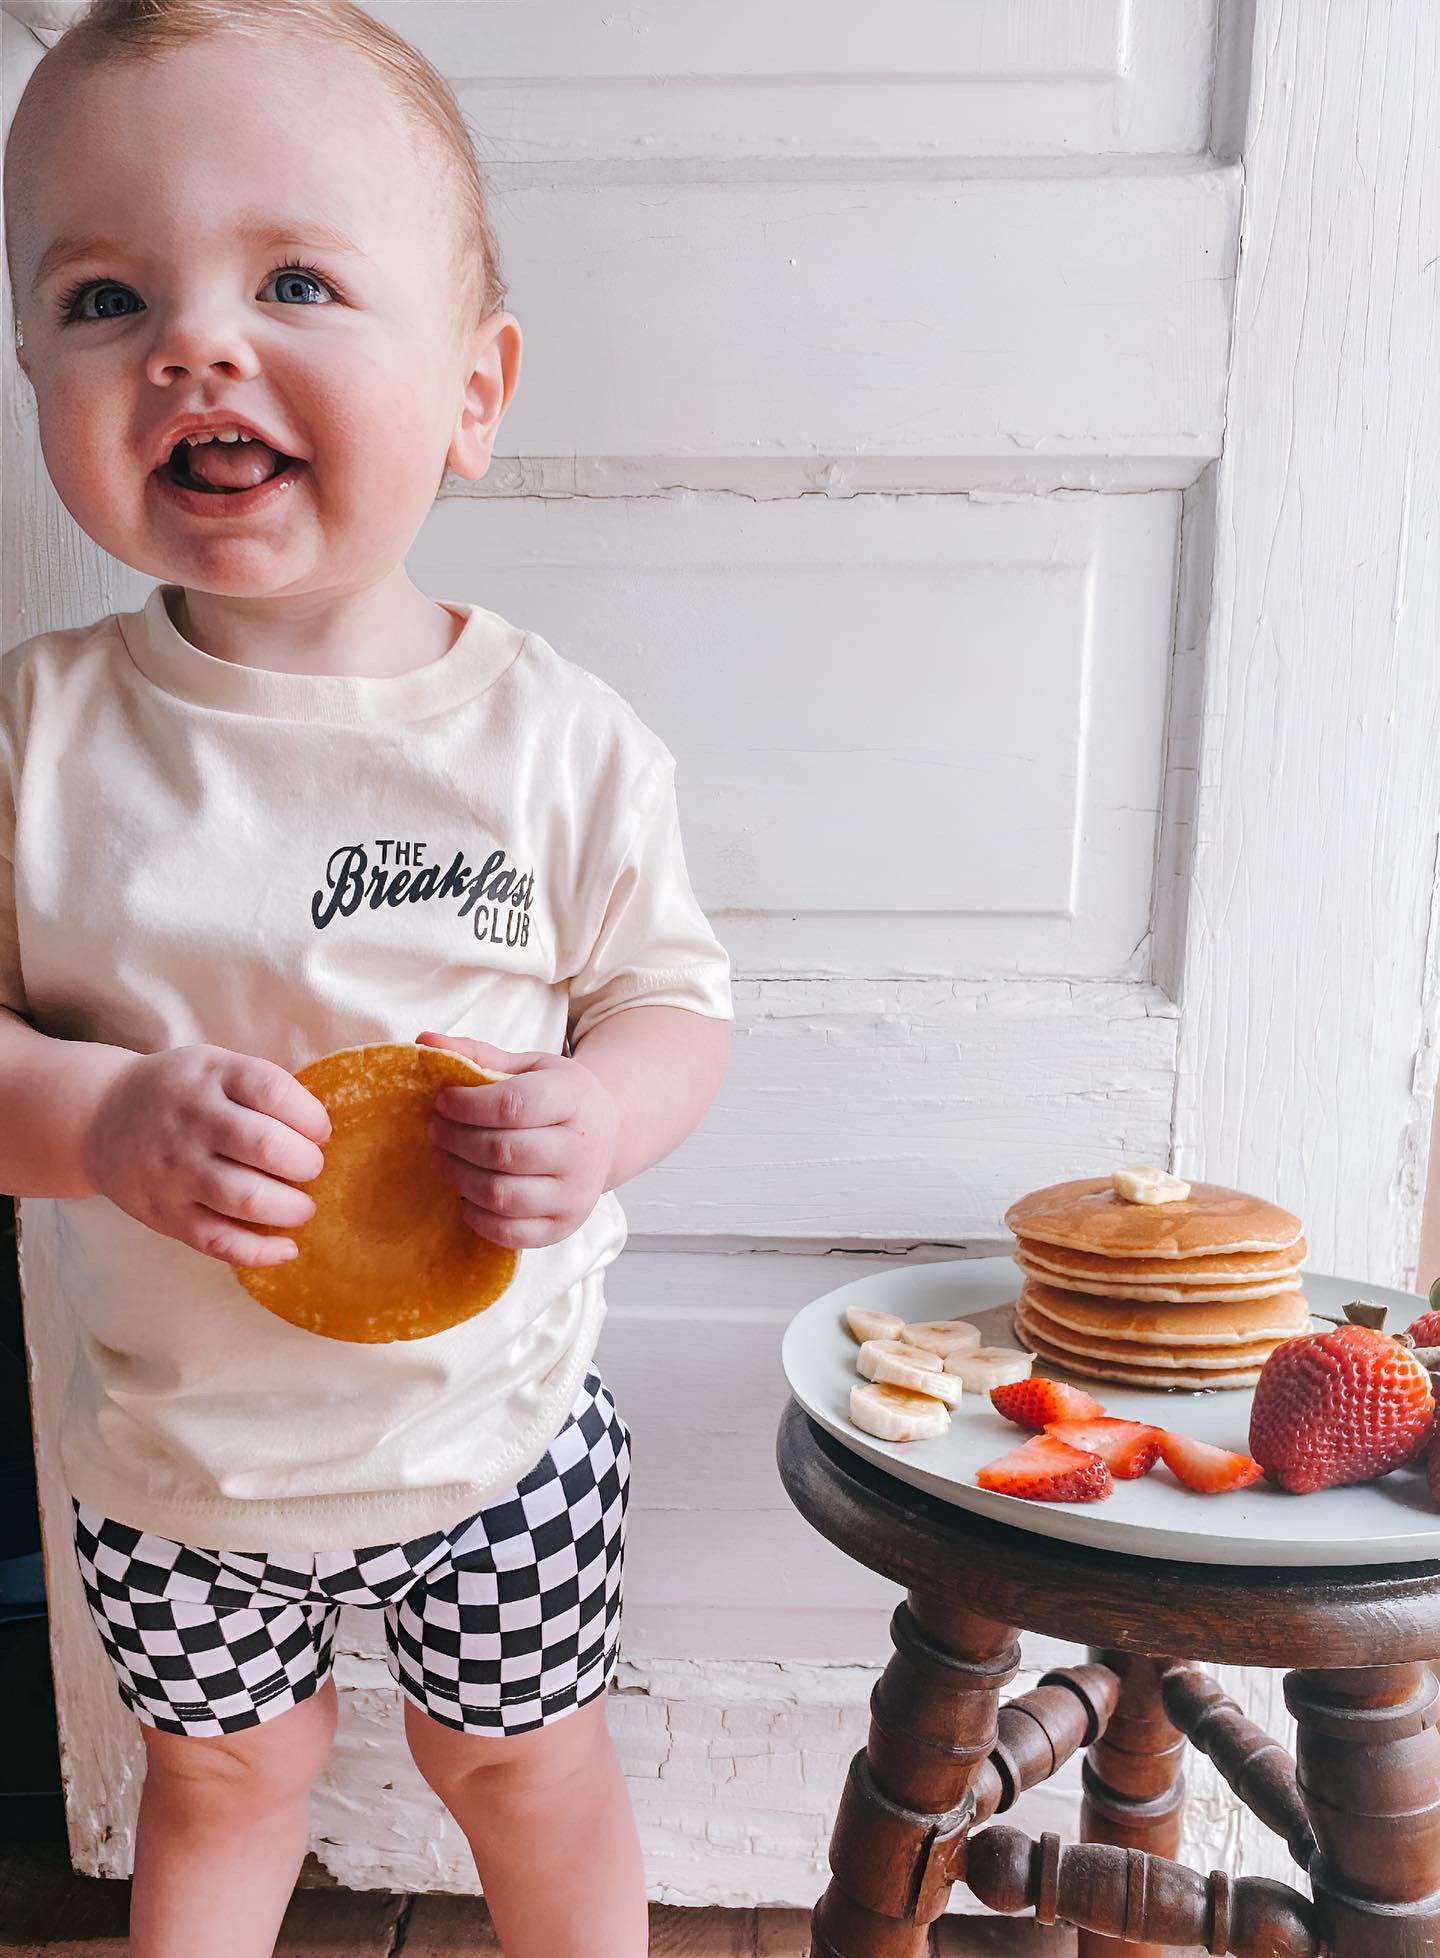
column 283, row 865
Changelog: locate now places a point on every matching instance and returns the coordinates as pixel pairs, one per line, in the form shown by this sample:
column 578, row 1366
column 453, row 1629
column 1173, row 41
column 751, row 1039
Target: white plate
column 1390, row 1521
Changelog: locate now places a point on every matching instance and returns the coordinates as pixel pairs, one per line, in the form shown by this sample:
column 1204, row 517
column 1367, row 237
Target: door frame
column 1308, row 980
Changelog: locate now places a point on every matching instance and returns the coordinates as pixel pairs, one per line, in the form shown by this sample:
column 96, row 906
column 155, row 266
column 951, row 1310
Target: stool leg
column 1133, row 1781
column 933, row 1723
column 1368, row 1761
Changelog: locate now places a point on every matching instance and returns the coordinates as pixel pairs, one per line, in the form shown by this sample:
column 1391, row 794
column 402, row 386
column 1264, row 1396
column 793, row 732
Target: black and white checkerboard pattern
column 507, row 1621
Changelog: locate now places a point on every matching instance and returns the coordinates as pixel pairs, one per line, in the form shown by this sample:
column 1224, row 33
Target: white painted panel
column 576, row 80
column 915, row 734
column 914, row 1109
column 990, row 317
column 559, row 81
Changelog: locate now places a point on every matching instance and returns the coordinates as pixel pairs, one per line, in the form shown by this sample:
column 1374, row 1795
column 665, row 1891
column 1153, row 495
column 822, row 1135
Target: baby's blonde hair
column 116, row 29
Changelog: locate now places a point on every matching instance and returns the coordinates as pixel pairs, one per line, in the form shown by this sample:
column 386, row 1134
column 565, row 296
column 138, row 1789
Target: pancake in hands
column 1091, row 1215
column 388, row 1254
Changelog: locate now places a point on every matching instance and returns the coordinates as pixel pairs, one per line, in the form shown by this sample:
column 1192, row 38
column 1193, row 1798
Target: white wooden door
column 992, row 442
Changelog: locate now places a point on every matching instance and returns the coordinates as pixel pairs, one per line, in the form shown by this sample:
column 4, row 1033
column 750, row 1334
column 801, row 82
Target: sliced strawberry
column 1209, row 1470
column 1047, row 1470
column 1036, row 1402
column 1130, row 1448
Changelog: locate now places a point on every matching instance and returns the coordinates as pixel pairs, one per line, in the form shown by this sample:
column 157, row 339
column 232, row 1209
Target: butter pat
column 1146, row 1184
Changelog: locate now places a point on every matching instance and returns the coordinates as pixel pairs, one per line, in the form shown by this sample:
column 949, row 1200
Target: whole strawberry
column 1340, row 1406
column 1426, row 1330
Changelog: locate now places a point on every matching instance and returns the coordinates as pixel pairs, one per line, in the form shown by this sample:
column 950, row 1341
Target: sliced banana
column 896, row 1413
column 987, row 1367
column 872, row 1351
column 1144, row 1183
column 907, row 1366
column 866, row 1324
column 942, row 1336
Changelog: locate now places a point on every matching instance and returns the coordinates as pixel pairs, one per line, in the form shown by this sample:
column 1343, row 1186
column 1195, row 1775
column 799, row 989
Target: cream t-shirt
column 283, row 865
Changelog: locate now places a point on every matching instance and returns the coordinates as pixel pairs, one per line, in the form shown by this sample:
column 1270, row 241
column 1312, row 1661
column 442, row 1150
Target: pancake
column 1234, row 1267
column 1126, row 1352
column 1281, row 1316
column 1089, row 1215
column 1193, row 1293
column 1138, row 1377
column 388, row 1254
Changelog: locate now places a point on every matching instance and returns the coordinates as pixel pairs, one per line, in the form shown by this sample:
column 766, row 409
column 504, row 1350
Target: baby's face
column 361, row 367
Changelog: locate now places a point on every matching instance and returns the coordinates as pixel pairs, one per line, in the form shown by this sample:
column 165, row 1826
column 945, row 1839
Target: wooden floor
column 46, row 1911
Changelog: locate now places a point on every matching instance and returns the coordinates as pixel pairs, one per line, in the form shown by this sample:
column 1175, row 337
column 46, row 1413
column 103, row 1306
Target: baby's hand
column 199, row 1141
column 528, row 1156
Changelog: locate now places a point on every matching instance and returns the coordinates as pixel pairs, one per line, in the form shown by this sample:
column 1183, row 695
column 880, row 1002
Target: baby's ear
column 494, row 355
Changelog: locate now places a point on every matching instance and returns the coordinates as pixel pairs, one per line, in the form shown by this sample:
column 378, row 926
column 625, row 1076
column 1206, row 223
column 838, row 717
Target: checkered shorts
column 505, row 1622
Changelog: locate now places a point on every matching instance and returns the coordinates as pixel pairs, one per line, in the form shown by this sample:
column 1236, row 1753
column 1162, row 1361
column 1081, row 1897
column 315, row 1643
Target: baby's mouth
column 224, row 468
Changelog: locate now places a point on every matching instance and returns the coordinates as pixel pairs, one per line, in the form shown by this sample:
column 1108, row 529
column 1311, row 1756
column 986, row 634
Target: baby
column 293, row 805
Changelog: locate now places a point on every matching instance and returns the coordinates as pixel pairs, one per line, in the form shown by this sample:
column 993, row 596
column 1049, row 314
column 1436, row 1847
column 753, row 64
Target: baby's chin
column 233, row 567
column 285, row 549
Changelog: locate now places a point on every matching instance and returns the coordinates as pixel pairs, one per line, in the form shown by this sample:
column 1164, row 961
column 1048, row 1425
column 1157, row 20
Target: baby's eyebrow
column 250, row 228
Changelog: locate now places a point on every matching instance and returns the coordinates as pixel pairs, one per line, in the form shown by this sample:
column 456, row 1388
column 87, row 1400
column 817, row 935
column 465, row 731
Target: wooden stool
column 1359, row 1808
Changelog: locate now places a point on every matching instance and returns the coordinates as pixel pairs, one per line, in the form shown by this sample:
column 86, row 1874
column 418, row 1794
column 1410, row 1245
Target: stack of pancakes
column 1190, row 1293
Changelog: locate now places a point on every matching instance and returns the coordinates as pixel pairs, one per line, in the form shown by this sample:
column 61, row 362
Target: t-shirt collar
column 486, row 646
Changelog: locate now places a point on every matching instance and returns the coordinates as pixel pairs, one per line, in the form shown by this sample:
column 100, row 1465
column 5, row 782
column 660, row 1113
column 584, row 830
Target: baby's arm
column 195, row 1142
column 663, row 1066
column 49, row 1091
column 530, row 1155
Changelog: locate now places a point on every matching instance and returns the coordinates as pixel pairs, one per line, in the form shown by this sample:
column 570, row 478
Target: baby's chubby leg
column 548, row 1819
column 223, row 1827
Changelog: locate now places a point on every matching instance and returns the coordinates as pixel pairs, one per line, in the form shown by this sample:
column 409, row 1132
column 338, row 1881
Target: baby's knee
column 537, row 1763
column 250, row 1773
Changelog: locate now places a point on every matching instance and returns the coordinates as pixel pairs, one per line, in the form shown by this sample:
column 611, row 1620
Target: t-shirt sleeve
column 654, row 944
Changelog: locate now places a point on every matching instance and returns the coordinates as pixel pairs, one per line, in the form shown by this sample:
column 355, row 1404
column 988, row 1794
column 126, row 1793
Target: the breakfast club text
column 496, row 898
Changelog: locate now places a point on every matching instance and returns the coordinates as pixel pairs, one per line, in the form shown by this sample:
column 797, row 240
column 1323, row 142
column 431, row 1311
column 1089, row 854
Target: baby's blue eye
column 103, row 295
column 294, row 284
column 299, row 276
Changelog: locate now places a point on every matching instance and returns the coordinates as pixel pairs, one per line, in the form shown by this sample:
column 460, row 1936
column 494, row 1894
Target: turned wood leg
column 1133, row 1780
column 1368, row 1763
column 907, row 1803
